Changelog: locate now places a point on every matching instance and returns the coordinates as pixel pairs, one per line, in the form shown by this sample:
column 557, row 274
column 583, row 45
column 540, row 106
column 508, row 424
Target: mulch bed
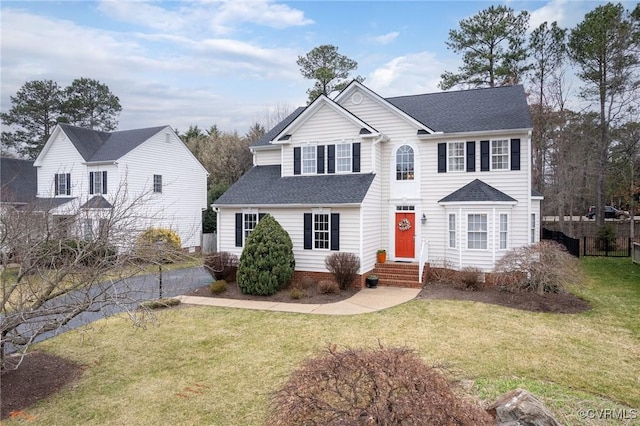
column 42, row 375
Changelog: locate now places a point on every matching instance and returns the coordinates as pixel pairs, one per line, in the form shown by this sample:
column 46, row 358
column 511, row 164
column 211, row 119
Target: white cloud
column 408, row 74
column 386, row 38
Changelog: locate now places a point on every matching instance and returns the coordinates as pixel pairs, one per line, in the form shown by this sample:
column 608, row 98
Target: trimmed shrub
column 544, row 267
column 217, row 287
column 344, row 267
column 267, row 262
column 160, row 303
column 222, row 265
column 147, row 247
column 371, row 387
column 328, row 287
column 468, row 278
column 296, row 293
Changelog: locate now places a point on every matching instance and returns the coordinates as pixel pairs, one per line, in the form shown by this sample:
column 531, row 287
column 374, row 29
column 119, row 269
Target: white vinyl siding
column 477, row 232
column 455, row 157
column 500, row 154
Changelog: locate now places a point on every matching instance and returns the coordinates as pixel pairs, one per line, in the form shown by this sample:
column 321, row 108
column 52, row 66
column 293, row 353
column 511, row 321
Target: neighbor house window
column 343, row 157
column 452, row 231
column 97, row 182
column 404, row 163
column 309, row 159
column 455, row 155
column 87, row 229
column 250, row 222
column 321, row 232
column 500, row 155
column 63, row 183
column 533, row 228
column 477, row 231
column 157, row 183
column 504, row 231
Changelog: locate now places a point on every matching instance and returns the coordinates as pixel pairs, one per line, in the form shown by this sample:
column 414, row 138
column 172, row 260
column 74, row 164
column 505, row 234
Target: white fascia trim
column 472, row 134
column 476, row 204
column 280, row 206
column 263, row 148
column 537, row 197
column 100, row 163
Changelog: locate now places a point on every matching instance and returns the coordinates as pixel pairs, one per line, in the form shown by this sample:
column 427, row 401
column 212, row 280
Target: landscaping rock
column 520, row 408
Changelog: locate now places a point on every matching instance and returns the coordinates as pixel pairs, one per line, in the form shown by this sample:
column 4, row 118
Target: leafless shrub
column 222, row 265
column 468, row 278
column 544, row 267
column 305, row 283
column 441, row 271
column 328, row 287
column 371, row 387
column 344, row 267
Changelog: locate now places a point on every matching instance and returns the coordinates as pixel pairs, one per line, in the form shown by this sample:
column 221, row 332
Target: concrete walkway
column 365, row 301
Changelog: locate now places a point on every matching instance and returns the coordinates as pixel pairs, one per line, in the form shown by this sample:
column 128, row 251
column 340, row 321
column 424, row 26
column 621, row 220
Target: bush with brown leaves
column 222, row 265
column 371, row 387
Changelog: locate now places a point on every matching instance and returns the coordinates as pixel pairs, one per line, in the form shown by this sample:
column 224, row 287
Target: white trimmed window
column 321, row 234
column 455, row 156
column 63, row 184
column 309, row 159
column 343, row 157
column 477, row 231
column 500, row 154
column 97, row 182
column 250, row 222
column 533, row 228
column 452, row 231
column 504, row 231
column 157, row 183
column 87, row 229
column 404, row 163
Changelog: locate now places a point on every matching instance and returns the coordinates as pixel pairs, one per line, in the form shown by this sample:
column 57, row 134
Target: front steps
column 397, row 274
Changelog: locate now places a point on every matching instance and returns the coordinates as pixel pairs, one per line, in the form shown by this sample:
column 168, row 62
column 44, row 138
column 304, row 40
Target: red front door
column 405, row 232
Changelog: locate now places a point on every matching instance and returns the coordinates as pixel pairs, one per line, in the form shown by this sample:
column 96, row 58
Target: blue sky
column 234, row 63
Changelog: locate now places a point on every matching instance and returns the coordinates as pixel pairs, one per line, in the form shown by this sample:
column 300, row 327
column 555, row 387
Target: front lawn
column 207, row 365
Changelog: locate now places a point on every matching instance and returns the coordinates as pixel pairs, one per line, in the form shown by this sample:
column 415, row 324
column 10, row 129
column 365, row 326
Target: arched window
column 404, row 163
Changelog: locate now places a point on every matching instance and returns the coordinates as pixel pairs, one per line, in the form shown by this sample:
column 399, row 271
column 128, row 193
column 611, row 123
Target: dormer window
column 309, row 159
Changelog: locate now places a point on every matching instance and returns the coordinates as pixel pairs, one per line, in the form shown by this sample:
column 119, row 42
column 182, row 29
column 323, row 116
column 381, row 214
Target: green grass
column 217, row 366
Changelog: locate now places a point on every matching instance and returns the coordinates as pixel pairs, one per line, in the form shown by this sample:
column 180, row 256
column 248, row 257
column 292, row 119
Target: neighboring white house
column 437, row 178
column 85, row 177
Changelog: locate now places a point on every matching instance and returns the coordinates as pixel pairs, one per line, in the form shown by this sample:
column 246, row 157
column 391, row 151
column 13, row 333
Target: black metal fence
column 571, row 244
column 611, row 247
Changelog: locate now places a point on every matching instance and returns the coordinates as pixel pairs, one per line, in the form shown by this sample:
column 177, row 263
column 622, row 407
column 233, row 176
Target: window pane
column 309, row 159
column 157, row 183
column 452, row 230
column 500, row 154
column 477, row 231
column 321, row 231
column 343, row 157
column 250, row 222
column 404, row 163
column 503, row 231
column 456, row 156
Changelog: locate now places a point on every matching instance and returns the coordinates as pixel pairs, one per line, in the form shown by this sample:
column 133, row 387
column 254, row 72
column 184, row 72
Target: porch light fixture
column 423, row 219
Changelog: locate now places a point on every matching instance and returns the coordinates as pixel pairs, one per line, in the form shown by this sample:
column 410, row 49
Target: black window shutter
column 57, row 178
column 442, row 158
column 331, row 159
column 91, row 183
column 68, row 183
column 308, row 231
column 104, row 182
column 238, row 229
column 515, row 154
column 484, row 156
column 320, row 159
column 355, row 158
column 297, row 160
column 335, row 231
column 471, row 156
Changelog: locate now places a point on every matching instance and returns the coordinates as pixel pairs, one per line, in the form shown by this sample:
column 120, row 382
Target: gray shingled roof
column 97, row 202
column 494, row 108
column 45, row 204
column 478, row 191
column 95, row 145
column 18, row 180
column 263, row 185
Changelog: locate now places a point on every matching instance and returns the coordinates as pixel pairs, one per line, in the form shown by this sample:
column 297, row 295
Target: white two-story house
column 441, row 178
column 138, row 178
